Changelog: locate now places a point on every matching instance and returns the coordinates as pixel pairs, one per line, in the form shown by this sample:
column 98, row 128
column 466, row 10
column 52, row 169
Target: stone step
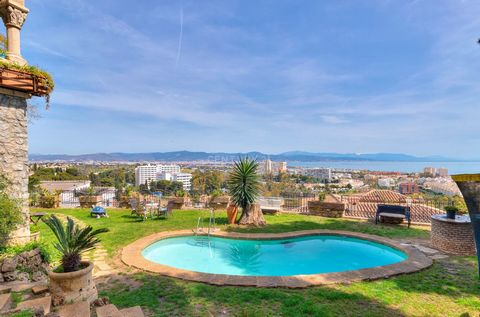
column 43, row 303
column 108, row 311
column 102, row 266
column 79, row 309
column 5, row 302
column 40, row 289
column 5, row 289
column 135, row 311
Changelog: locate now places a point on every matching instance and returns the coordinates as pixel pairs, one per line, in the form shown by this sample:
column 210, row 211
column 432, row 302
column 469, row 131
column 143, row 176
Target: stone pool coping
column 416, row 261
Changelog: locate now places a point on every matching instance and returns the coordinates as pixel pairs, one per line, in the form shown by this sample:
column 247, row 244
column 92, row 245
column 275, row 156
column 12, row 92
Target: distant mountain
column 293, row 156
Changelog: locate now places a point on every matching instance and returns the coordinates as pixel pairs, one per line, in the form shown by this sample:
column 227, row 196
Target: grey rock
column 9, row 264
column 39, row 276
column 10, row 276
column 23, row 277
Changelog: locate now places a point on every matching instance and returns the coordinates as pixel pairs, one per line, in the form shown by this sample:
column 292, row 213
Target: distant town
column 194, row 179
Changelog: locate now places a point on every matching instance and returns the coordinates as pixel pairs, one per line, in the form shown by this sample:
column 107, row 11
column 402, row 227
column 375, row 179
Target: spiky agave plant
column 72, row 241
column 244, row 183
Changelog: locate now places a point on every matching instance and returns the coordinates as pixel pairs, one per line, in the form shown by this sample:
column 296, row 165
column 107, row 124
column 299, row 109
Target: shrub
column 451, row 208
column 10, row 212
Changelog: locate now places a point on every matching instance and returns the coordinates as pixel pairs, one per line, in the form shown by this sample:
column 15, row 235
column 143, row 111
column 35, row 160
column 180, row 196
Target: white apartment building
column 386, row 182
column 148, row 173
column 269, row 167
column 145, row 174
column 323, row 174
column 184, row 178
column 432, row 171
column 448, row 188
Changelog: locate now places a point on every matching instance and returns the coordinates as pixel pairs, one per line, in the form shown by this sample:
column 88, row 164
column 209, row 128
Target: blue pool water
column 302, row 255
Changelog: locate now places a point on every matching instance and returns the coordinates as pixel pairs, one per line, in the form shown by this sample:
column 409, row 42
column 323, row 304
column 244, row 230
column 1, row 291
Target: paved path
column 98, row 255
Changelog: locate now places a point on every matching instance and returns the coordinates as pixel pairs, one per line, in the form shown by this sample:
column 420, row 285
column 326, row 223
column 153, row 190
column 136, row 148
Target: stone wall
column 25, row 267
column 326, row 209
column 453, row 237
column 14, row 156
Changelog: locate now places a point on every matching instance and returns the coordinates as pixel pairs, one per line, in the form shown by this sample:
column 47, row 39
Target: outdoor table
column 35, row 217
column 151, row 208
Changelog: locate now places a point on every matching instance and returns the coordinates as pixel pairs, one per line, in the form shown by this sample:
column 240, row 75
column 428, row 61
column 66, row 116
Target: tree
column 244, row 188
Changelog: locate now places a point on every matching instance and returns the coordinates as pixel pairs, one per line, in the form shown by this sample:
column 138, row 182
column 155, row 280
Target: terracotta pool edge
column 416, row 261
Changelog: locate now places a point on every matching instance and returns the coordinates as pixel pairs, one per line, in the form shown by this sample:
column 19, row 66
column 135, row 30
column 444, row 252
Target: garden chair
column 133, row 204
column 141, row 211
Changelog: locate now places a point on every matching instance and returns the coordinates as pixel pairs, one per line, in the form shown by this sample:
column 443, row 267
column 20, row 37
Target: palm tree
column 244, row 188
column 72, row 241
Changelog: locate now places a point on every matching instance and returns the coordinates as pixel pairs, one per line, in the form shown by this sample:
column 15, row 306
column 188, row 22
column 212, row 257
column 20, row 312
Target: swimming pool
column 315, row 254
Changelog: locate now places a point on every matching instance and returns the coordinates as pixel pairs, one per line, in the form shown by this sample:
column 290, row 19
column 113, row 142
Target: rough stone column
column 13, row 13
column 14, row 156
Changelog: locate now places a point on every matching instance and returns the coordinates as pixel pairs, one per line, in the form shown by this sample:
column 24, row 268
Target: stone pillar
column 469, row 185
column 14, row 155
column 13, row 13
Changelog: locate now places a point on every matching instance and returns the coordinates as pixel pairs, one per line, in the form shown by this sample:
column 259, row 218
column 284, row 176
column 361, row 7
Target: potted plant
column 89, row 199
column 244, row 189
column 72, row 281
column 451, row 211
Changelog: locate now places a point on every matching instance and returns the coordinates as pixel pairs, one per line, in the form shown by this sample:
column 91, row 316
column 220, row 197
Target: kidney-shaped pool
column 280, row 257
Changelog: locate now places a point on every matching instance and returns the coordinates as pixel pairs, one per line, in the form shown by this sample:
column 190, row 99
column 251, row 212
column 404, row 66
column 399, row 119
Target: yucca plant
column 244, row 184
column 72, row 241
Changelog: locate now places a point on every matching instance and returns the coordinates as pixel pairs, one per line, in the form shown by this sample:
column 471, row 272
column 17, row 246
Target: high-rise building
column 282, row 167
column 268, row 166
column 429, row 171
column 147, row 173
column 442, row 172
column 184, row 178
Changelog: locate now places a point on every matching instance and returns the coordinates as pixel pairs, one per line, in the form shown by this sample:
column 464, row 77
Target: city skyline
column 345, row 77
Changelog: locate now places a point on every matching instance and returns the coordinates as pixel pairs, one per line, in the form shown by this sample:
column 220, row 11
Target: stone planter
column 89, row 201
column 454, row 236
column 219, row 202
column 177, row 203
column 326, row 209
column 73, row 286
column 469, row 185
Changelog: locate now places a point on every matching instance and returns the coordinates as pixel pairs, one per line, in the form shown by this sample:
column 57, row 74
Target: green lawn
column 449, row 288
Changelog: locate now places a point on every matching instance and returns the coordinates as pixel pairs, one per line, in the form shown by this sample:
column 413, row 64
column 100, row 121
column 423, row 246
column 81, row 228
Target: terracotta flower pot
column 73, row 286
column 232, row 211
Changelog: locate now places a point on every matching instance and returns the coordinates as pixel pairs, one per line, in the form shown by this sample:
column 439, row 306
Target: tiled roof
column 419, row 213
column 62, row 186
column 383, row 196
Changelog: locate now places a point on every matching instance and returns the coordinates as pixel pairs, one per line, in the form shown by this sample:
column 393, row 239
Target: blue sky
column 273, row 76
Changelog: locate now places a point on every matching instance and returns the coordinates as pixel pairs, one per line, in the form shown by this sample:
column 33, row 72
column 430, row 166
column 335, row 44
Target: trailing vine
column 43, row 76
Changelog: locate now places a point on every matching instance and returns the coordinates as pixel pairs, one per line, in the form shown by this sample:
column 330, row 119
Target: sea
column 403, row 167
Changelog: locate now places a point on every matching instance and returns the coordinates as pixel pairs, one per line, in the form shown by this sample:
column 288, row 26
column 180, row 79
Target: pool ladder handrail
column 211, row 224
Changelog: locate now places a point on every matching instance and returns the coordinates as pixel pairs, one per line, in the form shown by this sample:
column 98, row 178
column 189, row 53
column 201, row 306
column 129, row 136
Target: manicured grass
column 125, row 228
column 449, row 288
column 438, row 291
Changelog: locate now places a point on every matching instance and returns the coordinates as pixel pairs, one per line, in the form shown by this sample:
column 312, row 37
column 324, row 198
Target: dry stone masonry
column 14, row 155
column 26, row 267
